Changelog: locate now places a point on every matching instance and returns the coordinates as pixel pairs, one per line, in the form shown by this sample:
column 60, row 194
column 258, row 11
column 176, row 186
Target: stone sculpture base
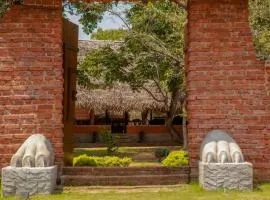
column 234, row 176
column 25, row 181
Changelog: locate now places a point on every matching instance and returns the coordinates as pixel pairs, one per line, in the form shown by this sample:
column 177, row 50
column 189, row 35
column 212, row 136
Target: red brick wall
column 31, row 78
column 228, row 88
column 43, row 3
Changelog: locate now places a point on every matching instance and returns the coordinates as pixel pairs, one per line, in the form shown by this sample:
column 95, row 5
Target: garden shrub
column 84, row 160
column 161, row 153
column 113, row 161
column 126, row 161
column 110, row 140
column 176, row 159
column 107, row 161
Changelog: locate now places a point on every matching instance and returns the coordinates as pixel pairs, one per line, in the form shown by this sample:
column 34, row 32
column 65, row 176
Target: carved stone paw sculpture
column 32, row 170
column 36, row 151
column 222, row 164
column 219, row 147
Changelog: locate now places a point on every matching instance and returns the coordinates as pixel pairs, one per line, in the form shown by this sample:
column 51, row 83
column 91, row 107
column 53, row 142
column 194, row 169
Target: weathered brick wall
column 228, row 88
column 43, row 3
column 31, row 78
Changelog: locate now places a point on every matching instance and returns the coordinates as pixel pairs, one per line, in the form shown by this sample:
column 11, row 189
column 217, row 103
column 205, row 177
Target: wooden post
column 92, row 117
column 70, row 49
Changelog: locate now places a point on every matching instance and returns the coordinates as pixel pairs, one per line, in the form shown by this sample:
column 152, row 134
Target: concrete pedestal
column 24, row 181
column 234, row 176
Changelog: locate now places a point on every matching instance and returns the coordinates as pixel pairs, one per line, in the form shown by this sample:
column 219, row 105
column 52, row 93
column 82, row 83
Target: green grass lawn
column 182, row 192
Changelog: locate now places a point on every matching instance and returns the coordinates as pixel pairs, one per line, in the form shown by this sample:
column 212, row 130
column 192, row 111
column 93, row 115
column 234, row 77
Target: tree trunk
column 92, row 117
column 175, row 99
column 175, row 136
column 144, row 117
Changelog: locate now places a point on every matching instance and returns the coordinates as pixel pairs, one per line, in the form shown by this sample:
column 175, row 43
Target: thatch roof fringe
column 119, row 98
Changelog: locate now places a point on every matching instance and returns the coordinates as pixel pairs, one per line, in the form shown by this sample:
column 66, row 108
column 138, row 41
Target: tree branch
column 114, row 13
column 161, row 45
column 120, row 17
column 159, row 88
column 152, row 95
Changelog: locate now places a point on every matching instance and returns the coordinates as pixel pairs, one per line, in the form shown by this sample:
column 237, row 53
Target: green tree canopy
column 152, row 53
column 260, row 22
column 91, row 14
column 4, row 5
column 110, row 34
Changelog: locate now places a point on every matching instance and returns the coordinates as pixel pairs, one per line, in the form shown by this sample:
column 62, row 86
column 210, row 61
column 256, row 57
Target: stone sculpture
column 36, row 151
column 32, row 170
column 222, row 163
column 219, row 147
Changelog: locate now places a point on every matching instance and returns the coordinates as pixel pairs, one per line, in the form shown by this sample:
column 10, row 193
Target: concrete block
column 233, row 176
column 28, row 180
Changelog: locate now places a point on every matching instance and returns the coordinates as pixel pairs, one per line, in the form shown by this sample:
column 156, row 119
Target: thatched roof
column 88, row 45
column 118, row 98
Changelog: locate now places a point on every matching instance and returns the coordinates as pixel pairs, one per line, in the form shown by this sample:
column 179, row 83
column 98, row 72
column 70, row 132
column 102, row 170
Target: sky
column 109, row 21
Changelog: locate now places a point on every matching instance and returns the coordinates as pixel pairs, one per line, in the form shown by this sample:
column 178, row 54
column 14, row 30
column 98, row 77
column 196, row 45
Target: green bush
column 84, row 160
column 113, row 161
column 161, row 153
column 110, row 140
column 107, row 161
column 176, row 159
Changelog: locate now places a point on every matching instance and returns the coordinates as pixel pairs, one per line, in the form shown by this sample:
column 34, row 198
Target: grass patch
column 141, row 156
column 190, row 192
column 121, row 152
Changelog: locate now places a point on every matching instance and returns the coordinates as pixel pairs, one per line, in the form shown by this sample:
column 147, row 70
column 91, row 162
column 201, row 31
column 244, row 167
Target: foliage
column 84, row 160
column 116, row 162
column 161, row 153
column 110, row 34
column 92, row 13
column 152, row 50
column 110, row 140
column 4, row 5
column 176, row 159
column 121, row 152
column 260, row 23
column 107, row 161
column 152, row 56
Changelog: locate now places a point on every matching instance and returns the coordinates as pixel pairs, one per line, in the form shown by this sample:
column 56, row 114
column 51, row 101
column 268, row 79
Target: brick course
column 83, row 176
column 228, row 87
column 31, row 77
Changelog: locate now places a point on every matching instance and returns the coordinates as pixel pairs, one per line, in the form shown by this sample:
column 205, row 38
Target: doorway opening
column 128, row 90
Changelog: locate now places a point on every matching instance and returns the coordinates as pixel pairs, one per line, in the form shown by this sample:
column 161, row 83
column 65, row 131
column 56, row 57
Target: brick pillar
column 31, row 77
column 228, row 88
